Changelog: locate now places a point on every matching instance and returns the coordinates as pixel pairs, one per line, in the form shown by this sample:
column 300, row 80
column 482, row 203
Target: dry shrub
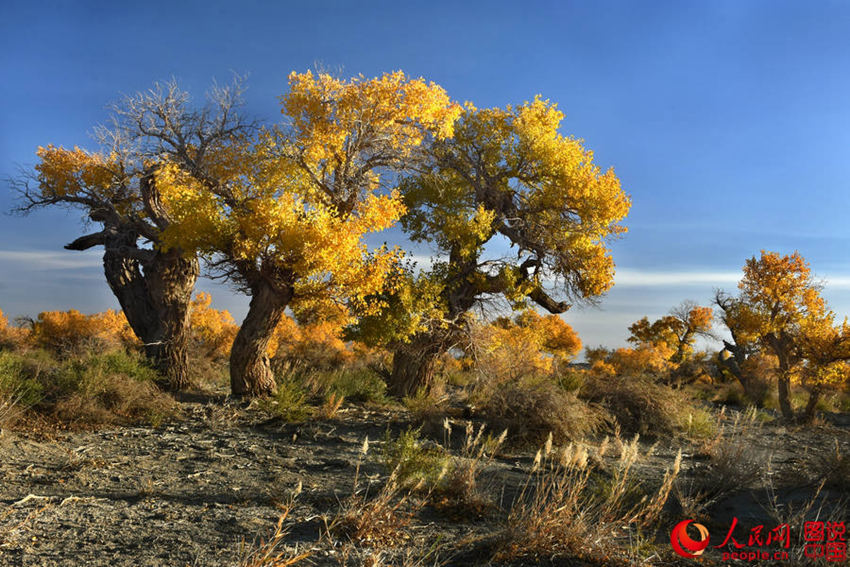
column 732, row 464
column 461, row 494
column 208, row 374
column 9, row 409
column 428, row 407
column 533, row 407
column 378, row 519
column 274, row 551
column 564, row 509
column 114, row 387
column 643, row 407
column 118, row 400
column 831, row 468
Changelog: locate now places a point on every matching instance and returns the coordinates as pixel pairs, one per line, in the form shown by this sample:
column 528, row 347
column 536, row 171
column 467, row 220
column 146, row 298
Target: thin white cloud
column 841, row 282
column 651, row 278
column 39, row 260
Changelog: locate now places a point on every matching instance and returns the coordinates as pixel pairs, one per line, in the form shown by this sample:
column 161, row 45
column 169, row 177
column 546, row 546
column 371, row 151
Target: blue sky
column 727, row 121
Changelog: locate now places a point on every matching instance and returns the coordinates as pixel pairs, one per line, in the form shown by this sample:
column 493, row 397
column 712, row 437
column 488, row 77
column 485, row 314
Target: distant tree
column 505, row 175
column 524, row 345
column 213, row 330
column 152, row 135
column 780, row 311
column 678, row 330
column 742, row 356
column 12, row 337
column 72, row 331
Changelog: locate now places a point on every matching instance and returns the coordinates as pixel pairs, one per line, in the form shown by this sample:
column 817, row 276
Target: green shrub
column 289, row 402
column 571, row 379
column 414, row 463
column 353, row 384
column 90, row 389
column 18, row 381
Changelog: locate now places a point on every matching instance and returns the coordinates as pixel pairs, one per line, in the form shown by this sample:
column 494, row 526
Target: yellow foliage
column 676, row 331
column 778, row 293
column 648, row 358
column 296, row 204
column 65, row 172
column 329, row 115
column 213, row 330
column 826, row 348
column 508, row 171
column 529, row 344
column 11, row 336
column 314, row 344
column 71, row 330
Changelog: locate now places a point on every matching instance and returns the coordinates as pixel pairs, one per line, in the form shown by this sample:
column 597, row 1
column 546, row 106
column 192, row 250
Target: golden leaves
column 63, row 330
column 528, row 344
column 76, row 172
column 334, row 118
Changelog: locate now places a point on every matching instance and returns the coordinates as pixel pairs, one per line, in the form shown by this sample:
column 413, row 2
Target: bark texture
column 250, row 368
column 154, row 290
column 413, row 367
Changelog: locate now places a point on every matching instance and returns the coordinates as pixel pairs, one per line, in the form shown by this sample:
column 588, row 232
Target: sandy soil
column 195, row 491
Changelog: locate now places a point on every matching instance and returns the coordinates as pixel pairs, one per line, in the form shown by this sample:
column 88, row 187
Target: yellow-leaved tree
column 506, row 177
column 150, row 135
column 288, row 218
column 11, row 337
column 528, row 344
column 213, row 330
column 780, row 312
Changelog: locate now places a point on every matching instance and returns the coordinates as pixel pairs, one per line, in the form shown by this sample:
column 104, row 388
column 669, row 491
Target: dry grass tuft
column 461, row 493
column 331, row 406
column 379, row 519
column 564, row 510
column 831, row 468
column 273, row 552
column 531, row 408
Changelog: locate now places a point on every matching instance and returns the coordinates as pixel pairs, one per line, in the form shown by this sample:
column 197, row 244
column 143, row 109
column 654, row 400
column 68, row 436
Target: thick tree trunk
column 809, row 413
column 785, row 396
column 250, row 369
column 156, row 303
column 753, row 387
column 171, row 279
column 413, row 367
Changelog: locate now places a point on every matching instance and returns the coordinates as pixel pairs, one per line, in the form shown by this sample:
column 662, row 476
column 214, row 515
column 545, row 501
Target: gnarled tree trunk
column 250, row 368
column 171, row 279
column 784, row 383
column 154, row 290
column 413, row 366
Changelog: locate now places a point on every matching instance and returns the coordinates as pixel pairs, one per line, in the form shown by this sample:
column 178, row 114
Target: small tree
column 525, row 345
column 678, row 330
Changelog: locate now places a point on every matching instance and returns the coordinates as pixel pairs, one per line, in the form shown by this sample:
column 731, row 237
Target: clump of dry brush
column 572, row 504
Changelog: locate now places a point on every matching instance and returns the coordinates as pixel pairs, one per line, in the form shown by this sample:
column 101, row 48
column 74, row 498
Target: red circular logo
column 683, row 544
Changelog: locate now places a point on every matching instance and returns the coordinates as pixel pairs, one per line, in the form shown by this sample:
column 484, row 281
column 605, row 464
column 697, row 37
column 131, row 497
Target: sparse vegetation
column 343, row 340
